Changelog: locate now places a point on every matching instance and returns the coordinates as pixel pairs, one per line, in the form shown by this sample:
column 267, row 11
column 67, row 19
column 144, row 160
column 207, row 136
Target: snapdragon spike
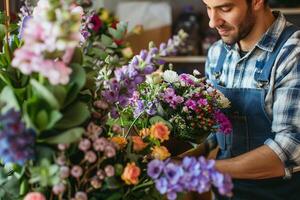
column 120, row 89
column 17, row 142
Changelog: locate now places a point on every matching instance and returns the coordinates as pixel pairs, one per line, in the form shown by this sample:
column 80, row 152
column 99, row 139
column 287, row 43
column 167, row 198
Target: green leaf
column 115, row 33
column 112, row 183
column 74, row 115
column 2, row 31
column 156, row 119
column 105, row 40
column 13, row 27
column 77, row 82
column 60, row 93
column 122, row 26
column 43, row 92
column 77, row 57
column 8, row 97
column 67, row 137
column 55, row 116
column 115, row 196
column 99, row 53
column 24, row 186
column 41, row 120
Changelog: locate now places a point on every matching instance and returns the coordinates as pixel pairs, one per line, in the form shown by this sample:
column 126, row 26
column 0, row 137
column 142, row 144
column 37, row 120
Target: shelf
column 288, row 11
column 185, row 59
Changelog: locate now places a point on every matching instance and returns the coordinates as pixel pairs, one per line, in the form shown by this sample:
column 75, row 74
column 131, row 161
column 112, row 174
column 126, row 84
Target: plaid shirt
column 282, row 102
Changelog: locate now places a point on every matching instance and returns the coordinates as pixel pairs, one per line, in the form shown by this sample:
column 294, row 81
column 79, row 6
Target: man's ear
column 258, row 4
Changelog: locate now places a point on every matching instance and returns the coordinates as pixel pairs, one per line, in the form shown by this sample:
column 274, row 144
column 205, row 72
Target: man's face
column 233, row 19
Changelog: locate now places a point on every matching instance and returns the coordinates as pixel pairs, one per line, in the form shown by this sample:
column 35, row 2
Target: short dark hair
column 249, row 1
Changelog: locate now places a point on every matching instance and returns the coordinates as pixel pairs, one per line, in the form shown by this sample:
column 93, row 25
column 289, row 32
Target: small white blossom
column 222, row 100
column 170, row 76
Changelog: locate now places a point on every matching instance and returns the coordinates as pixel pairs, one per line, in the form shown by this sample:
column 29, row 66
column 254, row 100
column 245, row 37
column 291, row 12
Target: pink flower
column 34, row 196
column 224, row 123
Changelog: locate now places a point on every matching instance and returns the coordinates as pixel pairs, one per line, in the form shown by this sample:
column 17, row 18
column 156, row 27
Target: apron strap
column 262, row 76
column 218, row 69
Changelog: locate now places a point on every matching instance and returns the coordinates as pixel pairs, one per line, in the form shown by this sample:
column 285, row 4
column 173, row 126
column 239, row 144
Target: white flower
column 196, row 72
column 222, row 100
column 170, row 76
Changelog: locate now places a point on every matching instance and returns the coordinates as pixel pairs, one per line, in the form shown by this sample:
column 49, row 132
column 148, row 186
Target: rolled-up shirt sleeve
column 286, row 115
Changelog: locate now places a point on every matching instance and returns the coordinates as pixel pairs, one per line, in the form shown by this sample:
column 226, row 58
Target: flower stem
column 131, row 125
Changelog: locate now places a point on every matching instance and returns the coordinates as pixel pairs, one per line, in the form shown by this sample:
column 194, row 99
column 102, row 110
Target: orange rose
column 160, row 131
column 138, row 143
column 160, row 153
column 131, row 174
column 121, row 141
column 144, row 132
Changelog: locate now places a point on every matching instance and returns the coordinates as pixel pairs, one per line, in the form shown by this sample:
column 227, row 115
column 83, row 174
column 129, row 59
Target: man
column 256, row 64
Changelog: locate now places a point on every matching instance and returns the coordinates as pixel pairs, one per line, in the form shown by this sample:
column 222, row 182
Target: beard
column 243, row 29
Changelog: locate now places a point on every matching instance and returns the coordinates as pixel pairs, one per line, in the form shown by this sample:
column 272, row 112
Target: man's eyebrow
column 223, row 5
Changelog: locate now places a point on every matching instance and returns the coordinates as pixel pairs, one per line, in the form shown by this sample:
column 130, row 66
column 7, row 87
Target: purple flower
column 161, row 185
column 130, row 71
column 186, row 79
column 155, row 168
column 151, row 109
column 23, row 26
column 191, row 104
column 202, row 102
column 123, row 101
column 149, row 69
column 224, row 123
column 134, row 61
column 192, row 174
column 17, row 142
column 139, row 79
column 114, row 113
column 170, row 97
column 173, row 172
column 172, row 195
column 139, row 108
column 119, row 74
column 143, row 54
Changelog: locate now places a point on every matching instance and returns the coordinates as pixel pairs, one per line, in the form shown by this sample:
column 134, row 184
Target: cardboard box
column 141, row 41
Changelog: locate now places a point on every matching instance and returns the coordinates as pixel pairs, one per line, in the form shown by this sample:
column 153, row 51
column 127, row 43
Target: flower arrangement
column 69, row 123
column 189, row 105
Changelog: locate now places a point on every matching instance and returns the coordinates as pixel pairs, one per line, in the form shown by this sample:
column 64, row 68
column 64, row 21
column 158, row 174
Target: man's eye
column 226, row 9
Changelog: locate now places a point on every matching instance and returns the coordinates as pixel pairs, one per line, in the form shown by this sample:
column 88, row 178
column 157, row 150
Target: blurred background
column 157, row 20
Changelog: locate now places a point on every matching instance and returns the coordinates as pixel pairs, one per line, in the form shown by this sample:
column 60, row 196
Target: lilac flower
column 17, row 142
column 155, row 168
column 23, row 26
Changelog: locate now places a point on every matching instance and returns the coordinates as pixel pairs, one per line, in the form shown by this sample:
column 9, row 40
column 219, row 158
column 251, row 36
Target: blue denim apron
column 251, row 128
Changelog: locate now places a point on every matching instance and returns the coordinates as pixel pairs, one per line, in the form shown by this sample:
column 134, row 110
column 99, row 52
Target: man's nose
column 214, row 19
